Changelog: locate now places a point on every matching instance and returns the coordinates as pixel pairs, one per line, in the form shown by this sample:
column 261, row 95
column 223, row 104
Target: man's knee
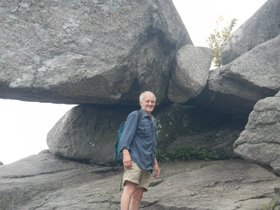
column 129, row 187
column 138, row 194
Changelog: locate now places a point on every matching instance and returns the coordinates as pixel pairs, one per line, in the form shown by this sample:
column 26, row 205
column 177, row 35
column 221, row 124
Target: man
column 138, row 145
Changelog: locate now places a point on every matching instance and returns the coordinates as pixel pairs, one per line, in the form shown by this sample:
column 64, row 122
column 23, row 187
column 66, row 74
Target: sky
column 24, row 125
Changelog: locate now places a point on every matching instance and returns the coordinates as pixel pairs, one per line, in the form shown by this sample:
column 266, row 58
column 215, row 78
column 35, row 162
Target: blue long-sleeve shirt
column 140, row 140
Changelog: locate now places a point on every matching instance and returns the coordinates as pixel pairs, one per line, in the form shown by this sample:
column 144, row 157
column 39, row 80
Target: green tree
column 219, row 36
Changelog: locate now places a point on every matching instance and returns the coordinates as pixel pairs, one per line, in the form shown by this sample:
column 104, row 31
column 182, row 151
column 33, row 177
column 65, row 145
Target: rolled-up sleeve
column 129, row 130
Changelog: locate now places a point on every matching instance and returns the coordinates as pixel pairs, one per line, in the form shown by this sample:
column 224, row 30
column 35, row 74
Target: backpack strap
column 138, row 117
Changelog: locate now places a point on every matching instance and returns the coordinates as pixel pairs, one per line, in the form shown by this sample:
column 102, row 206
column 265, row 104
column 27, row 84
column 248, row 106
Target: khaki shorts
column 137, row 176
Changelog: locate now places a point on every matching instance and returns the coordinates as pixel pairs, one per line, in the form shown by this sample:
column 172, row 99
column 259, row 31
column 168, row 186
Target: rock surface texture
column 44, row 181
column 260, row 141
column 254, row 75
column 261, row 27
column 190, row 75
column 87, row 133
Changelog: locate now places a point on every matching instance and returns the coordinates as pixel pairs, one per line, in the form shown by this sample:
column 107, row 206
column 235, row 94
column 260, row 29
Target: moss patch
column 188, row 153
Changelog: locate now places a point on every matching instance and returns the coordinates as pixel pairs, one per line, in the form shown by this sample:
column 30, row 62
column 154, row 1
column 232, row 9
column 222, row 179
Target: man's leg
column 128, row 191
column 136, row 199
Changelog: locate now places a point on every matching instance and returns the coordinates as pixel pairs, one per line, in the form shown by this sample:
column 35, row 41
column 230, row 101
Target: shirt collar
column 144, row 114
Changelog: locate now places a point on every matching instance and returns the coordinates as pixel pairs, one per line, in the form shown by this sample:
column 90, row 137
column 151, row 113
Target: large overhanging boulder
column 90, row 52
column 262, row 26
column 237, row 86
column 260, row 141
column 190, row 74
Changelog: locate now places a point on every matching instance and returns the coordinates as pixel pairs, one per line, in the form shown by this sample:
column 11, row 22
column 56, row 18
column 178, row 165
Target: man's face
column 148, row 103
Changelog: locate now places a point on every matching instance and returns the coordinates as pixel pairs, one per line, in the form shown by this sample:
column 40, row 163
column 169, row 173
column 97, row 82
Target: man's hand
column 127, row 161
column 156, row 169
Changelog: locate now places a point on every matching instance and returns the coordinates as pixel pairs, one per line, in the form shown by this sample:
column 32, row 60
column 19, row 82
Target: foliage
column 219, row 36
column 188, row 153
